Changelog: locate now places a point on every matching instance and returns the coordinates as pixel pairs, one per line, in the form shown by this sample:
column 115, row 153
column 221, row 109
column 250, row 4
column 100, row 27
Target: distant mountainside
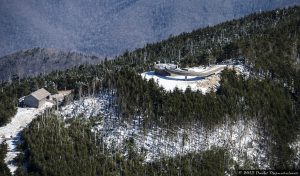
column 108, row 27
column 37, row 61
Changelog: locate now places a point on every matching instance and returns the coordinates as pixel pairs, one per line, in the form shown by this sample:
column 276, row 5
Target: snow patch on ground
column 240, row 138
column 87, row 107
column 10, row 132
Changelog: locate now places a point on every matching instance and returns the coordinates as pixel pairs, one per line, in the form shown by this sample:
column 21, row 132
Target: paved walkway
column 210, row 71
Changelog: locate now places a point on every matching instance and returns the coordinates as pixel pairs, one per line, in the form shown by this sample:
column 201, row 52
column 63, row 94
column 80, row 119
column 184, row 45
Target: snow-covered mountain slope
column 241, row 138
column 108, row 27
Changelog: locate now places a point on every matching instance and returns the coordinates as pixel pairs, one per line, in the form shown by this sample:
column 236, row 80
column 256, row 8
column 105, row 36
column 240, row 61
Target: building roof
column 40, row 94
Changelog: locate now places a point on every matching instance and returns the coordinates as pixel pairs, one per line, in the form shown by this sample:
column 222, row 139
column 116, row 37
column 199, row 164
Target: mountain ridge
column 108, row 28
column 35, row 61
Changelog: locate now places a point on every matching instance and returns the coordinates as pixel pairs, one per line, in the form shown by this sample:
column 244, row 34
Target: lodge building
column 37, row 99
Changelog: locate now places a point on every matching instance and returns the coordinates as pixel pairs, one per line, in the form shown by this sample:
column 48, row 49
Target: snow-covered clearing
column 10, row 132
column 240, row 138
column 194, row 82
column 87, row 107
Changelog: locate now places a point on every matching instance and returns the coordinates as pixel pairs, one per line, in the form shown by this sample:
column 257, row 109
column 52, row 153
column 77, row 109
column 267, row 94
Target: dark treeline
column 3, row 167
column 269, row 45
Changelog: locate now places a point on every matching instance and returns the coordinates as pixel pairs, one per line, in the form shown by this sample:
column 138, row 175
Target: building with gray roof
column 37, row 99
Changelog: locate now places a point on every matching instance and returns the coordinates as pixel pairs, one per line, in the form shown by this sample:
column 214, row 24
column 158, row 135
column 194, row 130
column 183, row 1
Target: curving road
column 205, row 73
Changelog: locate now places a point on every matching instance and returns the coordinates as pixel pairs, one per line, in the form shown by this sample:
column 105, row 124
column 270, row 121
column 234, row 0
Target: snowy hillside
column 241, row 138
column 109, row 27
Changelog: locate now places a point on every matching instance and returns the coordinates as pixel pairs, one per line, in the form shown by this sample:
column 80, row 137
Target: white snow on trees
column 241, row 138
